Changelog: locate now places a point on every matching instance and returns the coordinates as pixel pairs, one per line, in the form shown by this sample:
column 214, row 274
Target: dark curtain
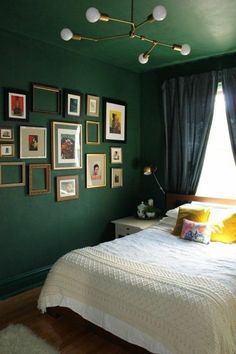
column 188, row 110
column 229, row 90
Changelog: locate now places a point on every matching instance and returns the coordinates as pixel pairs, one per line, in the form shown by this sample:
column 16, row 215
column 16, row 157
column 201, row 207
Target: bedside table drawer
column 123, row 230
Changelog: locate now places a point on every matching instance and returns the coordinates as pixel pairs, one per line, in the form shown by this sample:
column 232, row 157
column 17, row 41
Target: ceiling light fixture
column 159, row 13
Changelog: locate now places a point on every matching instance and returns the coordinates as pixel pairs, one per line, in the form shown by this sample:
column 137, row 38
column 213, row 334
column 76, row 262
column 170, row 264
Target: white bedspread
column 204, row 323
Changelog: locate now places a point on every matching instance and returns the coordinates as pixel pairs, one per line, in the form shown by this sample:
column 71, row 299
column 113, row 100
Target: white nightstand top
column 133, row 221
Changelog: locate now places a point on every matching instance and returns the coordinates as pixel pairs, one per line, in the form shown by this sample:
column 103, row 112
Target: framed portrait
column 116, row 177
column 33, row 142
column 95, row 170
column 66, row 145
column 114, row 120
column 46, row 99
column 6, row 134
column 7, row 150
column 16, row 105
column 92, row 106
column 39, row 179
column 92, row 132
column 67, row 188
column 72, row 103
column 116, row 155
column 12, row 174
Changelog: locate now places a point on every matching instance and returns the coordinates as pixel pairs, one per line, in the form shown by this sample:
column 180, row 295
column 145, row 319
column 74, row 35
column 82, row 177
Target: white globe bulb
column 159, row 13
column 142, row 59
column 66, row 34
column 92, row 14
column 186, row 49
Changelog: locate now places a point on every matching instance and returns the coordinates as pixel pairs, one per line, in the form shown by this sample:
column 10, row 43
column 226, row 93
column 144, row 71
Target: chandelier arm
column 141, row 23
column 151, row 49
column 78, row 37
column 112, row 37
column 121, row 21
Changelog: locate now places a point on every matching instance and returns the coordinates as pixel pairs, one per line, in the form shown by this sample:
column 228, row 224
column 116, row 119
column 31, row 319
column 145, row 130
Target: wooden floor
column 68, row 332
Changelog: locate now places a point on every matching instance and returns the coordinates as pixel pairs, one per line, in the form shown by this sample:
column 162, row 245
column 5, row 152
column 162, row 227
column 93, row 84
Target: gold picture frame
column 7, row 150
column 92, row 105
column 95, row 170
column 6, row 134
column 46, row 99
column 67, row 188
column 33, row 142
column 116, row 177
column 12, row 170
column 92, row 132
column 116, row 155
column 39, row 174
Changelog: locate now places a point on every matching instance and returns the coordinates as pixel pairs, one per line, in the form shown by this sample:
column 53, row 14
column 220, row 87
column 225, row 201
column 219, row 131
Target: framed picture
column 95, row 170
column 16, row 104
column 92, row 104
column 92, row 132
column 6, row 134
column 12, row 174
column 72, row 103
column 66, row 145
column 46, row 99
column 116, row 177
column 116, row 154
column 115, row 120
column 33, row 142
column 67, row 188
column 39, row 179
column 7, row 150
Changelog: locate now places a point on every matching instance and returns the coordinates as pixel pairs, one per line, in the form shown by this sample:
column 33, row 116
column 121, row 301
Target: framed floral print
column 95, row 170
column 16, row 105
column 33, row 142
column 72, row 103
column 66, row 145
column 114, row 120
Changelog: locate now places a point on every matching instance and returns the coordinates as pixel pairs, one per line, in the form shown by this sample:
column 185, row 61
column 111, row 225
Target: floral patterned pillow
column 196, row 231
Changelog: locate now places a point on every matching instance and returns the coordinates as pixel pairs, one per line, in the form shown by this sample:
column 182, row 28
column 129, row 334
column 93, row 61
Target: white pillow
column 174, row 212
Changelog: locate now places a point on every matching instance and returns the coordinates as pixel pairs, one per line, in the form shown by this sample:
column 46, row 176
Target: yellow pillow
column 191, row 213
column 225, row 230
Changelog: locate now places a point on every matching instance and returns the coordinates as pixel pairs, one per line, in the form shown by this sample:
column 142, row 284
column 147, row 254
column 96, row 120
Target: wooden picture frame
column 46, row 99
column 95, row 170
column 7, row 150
column 15, row 174
column 92, row 132
column 116, row 155
column 39, row 175
column 115, row 121
column 92, row 105
column 67, row 187
column 6, row 134
column 66, row 145
column 33, row 142
column 72, row 103
column 116, row 177
column 16, row 104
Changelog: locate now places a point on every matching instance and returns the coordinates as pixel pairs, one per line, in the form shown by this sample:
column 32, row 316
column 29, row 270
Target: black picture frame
column 115, row 120
column 16, row 104
column 72, row 103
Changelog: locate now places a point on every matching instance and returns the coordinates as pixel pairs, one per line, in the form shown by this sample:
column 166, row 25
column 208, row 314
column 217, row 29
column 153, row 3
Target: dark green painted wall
column 152, row 121
column 36, row 230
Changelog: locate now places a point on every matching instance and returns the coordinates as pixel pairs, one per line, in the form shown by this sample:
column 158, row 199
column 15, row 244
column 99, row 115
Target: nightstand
column 131, row 225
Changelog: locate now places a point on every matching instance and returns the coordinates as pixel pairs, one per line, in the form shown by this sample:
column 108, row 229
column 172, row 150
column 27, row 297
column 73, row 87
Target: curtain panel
column 188, row 110
column 229, row 90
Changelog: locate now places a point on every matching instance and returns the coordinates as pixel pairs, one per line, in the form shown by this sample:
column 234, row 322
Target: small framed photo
column 16, row 104
column 12, row 174
column 33, row 142
column 72, row 103
column 6, row 134
column 116, row 155
column 39, row 179
column 115, row 120
column 67, row 188
column 46, row 99
column 7, row 150
column 92, row 104
column 116, row 177
column 92, row 132
column 66, row 145
column 95, row 170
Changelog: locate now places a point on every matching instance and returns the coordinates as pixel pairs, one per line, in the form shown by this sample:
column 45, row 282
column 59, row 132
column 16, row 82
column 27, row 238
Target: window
column 219, row 170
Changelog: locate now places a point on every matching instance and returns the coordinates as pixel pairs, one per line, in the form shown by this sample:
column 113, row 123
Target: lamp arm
column 158, row 183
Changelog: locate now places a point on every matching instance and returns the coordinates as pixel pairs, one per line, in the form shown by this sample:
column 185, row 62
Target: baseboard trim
column 22, row 282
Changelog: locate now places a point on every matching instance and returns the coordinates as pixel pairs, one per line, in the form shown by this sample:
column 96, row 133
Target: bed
column 153, row 289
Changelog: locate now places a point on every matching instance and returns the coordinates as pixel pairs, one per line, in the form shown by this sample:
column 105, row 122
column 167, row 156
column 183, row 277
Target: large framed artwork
column 95, row 170
column 33, row 142
column 115, row 113
column 16, row 105
column 72, row 103
column 66, row 145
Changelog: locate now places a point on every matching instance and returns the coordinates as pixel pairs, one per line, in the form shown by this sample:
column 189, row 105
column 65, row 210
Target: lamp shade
column 66, row 34
column 159, row 13
column 147, row 170
column 92, row 14
column 186, row 49
column 143, row 59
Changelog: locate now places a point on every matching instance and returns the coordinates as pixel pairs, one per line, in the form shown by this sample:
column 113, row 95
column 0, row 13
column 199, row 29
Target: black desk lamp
column 148, row 170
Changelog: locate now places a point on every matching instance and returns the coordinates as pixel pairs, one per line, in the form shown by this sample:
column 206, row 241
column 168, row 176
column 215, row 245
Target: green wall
column 36, row 230
column 152, row 120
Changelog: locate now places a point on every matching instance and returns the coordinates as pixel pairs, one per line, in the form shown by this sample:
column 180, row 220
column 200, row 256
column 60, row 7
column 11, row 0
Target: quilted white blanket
column 188, row 314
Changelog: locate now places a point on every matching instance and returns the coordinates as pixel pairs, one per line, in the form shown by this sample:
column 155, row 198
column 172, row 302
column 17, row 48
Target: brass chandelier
column 159, row 13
